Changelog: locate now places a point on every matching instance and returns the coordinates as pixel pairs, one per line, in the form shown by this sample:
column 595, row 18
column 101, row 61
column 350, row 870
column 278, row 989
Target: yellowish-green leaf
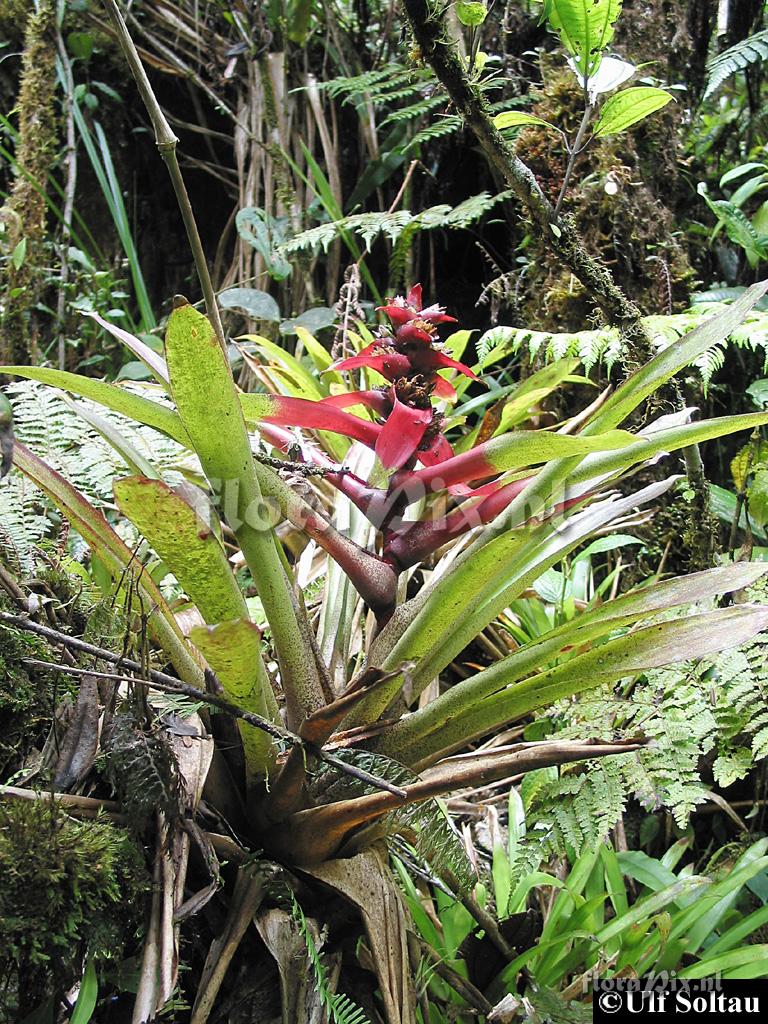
column 747, row 461
column 471, row 12
column 209, row 407
column 630, row 106
column 186, row 542
column 233, row 650
column 517, row 118
column 757, row 497
column 115, row 555
column 129, row 404
column 585, row 28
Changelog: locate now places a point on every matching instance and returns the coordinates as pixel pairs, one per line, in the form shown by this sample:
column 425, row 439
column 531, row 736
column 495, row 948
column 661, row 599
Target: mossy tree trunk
column 24, row 213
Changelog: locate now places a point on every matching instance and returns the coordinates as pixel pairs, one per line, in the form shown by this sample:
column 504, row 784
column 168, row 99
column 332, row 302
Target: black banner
column 661, row 998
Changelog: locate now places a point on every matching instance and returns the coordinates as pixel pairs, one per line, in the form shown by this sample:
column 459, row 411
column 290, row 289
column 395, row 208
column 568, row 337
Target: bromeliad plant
column 330, row 760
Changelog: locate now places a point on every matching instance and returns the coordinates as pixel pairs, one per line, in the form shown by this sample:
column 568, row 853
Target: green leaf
column 585, row 28
column 182, row 534
column 742, row 465
column 628, row 107
column 463, row 602
column 757, row 955
column 265, row 233
column 209, row 407
column 116, row 556
column 724, row 504
column 529, row 447
column 697, row 922
column 295, row 380
column 610, row 543
column 114, row 436
column 304, row 384
column 670, row 360
column 471, row 13
column 233, row 650
column 87, row 996
column 654, row 646
column 646, row 870
column 737, row 932
column 740, row 230
column 667, row 439
column 257, row 304
column 320, row 356
column 147, row 355
column 80, row 45
column 758, row 392
column 313, row 319
column 645, row 908
column 19, row 254
column 739, row 171
column 515, row 118
column 109, row 395
column 757, row 497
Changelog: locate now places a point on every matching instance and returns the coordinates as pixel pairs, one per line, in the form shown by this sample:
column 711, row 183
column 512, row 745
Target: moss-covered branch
column 431, row 32
column 24, row 212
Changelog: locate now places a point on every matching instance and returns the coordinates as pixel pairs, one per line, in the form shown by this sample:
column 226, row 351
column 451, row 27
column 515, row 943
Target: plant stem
column 574, row 151
column 434, row 38
column 166, row 143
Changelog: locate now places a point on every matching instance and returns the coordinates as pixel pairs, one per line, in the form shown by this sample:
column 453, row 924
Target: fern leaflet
column 736, row 58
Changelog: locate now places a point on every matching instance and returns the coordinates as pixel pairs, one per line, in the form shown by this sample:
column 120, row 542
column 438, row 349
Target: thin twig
column 401, row 191
column 80, row 806
column 162, row 681
column 166, row 143
column 465, row 989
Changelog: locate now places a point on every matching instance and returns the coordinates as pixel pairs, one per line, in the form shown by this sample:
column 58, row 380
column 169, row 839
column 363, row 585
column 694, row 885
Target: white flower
column 612, row 73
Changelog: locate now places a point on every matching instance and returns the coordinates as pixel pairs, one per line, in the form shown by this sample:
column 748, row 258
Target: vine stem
column 166, row 142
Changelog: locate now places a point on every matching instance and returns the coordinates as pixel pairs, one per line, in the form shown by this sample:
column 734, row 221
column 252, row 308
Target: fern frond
column 438, row 129
column 716, row 705
column 55, row 432
column 426, row 824
column 736, row 58
column 380, row 87
column 573, row 808
column 606, row 345
column 341, row 1009
column 392, row 225
column 414, row 110
column 142, row 768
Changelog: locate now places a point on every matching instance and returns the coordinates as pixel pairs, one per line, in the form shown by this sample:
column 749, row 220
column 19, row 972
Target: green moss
column 24, row 213
column 68, row 887
column 13, row 19
column 26, row 697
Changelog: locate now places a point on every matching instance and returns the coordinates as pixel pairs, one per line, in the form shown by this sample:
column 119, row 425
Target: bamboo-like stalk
column 166, row 143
